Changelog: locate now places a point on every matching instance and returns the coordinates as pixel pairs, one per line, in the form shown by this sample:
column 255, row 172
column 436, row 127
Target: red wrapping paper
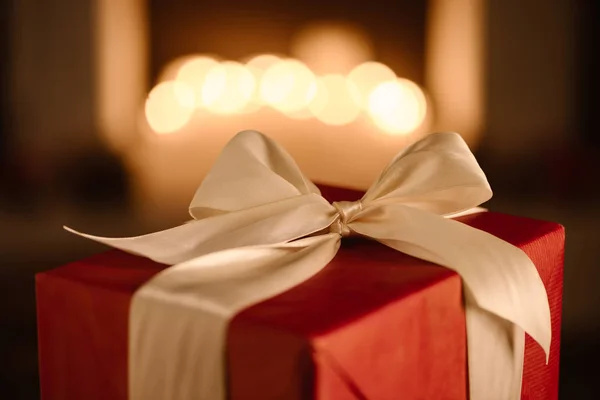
column 374, row 324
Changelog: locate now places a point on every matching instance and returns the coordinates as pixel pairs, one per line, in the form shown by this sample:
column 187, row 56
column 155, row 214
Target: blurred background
column 112, row 111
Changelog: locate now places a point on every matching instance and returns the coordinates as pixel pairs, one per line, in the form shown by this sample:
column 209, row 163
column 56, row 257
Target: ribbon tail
column 503, row 285
column 496, row 350
column 179, row 319
column 276, row 222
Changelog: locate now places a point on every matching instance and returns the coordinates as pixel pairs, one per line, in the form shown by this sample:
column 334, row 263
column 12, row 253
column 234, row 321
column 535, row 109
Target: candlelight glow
column 288, row 86
column 334, row 102
column 366, row 77
column 331, row 48
column 194, row 73
column 172, row 69
column 169, row 106
column 228, row 88
column 257, row 65
column 397, row 107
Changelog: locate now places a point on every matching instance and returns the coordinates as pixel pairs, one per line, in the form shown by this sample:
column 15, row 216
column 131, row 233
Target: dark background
column 52, row 177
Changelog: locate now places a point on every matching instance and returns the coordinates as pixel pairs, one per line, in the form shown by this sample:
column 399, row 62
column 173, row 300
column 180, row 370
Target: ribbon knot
column 347, row 211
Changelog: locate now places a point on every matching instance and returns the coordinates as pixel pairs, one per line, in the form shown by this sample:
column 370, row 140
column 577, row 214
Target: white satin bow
column 261, row 227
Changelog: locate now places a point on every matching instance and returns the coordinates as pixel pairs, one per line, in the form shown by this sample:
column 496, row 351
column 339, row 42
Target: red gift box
column 374, row 324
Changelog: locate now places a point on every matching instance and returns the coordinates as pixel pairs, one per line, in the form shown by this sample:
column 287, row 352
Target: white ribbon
column 261, row 227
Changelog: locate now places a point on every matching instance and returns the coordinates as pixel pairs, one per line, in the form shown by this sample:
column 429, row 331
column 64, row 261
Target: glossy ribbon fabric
column 261, row 227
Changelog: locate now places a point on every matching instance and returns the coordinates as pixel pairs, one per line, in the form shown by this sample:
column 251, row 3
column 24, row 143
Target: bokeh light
column 171, row 70
column 257, row 65
column 288, row 86
column 366, row 77
column 397, row 107
column 331, row 47
column 228, row 88
column 334, row 102
column 169, row 106
column 194, row 73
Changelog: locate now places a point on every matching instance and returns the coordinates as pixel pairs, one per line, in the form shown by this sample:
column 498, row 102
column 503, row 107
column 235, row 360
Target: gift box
column 279, row 290
column 374, row 324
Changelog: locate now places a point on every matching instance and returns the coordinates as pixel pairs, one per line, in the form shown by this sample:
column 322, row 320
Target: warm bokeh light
column 397, row 107
column 260, row 63
column 366, row 77
column 288, row 86
column 257, row 65
column 228, row 88
column 171, row 70
column 331, row 47
column 334, row 102
column 193, row 72
column 169, row 106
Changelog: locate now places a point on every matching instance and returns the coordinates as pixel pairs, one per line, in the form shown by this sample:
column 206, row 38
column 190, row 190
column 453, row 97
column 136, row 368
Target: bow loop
column 251, row 171
column 438, row 174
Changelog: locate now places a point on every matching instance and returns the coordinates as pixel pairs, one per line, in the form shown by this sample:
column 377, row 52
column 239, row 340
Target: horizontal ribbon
column 261, row 227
